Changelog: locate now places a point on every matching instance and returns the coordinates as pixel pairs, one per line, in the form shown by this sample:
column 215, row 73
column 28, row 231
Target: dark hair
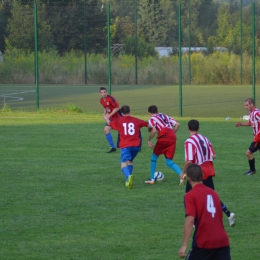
column 125, row 109
column 250, row 101
column 102, row 88
column 194, row 172
column 193, row 125
column 153, row 109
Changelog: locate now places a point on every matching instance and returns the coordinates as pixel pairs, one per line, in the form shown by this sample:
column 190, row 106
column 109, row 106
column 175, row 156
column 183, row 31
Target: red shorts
column 166, row 146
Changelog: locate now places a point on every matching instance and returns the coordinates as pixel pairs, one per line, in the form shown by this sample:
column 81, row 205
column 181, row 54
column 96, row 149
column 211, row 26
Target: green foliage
column 71, row 108
column 153, row 21
column 144, row 49
column 221, row 67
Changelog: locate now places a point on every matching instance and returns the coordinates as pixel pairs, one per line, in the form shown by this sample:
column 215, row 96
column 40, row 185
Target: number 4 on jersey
column 210, row 206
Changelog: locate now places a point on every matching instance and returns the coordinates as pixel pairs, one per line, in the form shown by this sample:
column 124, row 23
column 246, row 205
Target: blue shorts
column 254, row 147
column 129, row 153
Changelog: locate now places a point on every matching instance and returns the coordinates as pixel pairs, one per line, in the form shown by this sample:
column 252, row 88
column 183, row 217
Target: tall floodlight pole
column 189, row 40
column 36, row 54
column 85, row 41
column 108, row 48
column 136, row 45
column 180, row 58
column 241, row 42
column 253, row 50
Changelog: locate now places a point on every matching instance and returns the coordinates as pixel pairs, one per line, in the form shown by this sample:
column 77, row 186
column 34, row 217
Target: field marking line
column 11, row 98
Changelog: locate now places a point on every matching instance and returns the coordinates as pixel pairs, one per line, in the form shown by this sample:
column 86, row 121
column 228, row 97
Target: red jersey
column 204, row 205
column 199, row 150
column 109, row 103
column 128, row 128
column 163, row 124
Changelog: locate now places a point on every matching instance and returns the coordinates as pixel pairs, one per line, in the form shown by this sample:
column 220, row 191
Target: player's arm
column 186, row 164
column 243, row 124
column 152, row 133
column 115, row 110
column 176, row 127
column 188, row 226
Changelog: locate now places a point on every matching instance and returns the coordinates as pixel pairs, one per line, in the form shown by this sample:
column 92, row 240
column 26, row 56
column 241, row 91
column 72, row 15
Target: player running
column 112, row 111
column 254, row 121
column 128, row 128
column 166, row 127
column 199, row 150
column 203, row 209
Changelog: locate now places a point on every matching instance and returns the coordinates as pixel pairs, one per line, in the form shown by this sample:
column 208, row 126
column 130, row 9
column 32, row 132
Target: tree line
column 82, row 25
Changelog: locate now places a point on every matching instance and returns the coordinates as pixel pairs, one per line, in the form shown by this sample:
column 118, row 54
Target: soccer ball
column 158, row 176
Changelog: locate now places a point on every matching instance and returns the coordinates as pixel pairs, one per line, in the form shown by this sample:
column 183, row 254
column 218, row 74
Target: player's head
column 249, row 104
column 194, row 125
column 153, row 109
column 194, row 173
column 125, row 110
column 103, row 92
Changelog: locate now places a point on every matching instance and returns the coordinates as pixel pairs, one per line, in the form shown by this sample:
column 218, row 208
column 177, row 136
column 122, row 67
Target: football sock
column 153, row 165
column 173, row 166
column 110, row 140
column 130, row 168
column 224, row 209
column 252, row 164
column 125, row 171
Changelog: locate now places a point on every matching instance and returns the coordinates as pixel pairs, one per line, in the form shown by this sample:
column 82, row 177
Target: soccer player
column 203, row 210
column 254, row 121
column 166, row 127
column 112, row 110
column 199, row 150
column 128, row 128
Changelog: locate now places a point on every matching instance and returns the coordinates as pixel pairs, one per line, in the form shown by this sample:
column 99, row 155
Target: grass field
column 197, row 100
column 63, row 197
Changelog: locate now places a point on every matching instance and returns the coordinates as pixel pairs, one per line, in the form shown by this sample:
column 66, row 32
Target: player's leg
column 125, row 157
column 109, row 138
column 231, row 216
column 153, row 164
column 170, row 146
column 134, row 151
column 251, row 160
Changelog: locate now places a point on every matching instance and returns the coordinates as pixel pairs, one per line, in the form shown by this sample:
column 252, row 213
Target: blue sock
column 130, row 168
column 125, row 171
column 110, row 140
column 173, row 166
column 153, row 164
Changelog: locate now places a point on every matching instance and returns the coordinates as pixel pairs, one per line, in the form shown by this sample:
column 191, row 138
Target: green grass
column 197, row 100
column 63, row 197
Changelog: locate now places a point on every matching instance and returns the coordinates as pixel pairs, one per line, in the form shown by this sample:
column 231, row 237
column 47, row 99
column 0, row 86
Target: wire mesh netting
column 137, row 42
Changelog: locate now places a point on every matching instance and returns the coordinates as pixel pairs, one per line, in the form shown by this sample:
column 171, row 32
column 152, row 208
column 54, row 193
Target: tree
column 20, row 28
column 152, row 21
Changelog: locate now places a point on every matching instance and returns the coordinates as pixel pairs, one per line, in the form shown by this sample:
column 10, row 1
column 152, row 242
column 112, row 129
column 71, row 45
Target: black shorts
column 208, row 182
column 254, row 147
column 222, row 253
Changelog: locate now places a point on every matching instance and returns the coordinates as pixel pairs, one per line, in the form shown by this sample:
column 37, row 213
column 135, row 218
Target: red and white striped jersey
column 161, row 121
column 198, row 149
column 254, row 120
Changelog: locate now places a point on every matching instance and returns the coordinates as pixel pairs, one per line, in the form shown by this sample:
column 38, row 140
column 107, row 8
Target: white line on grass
column 11, row 98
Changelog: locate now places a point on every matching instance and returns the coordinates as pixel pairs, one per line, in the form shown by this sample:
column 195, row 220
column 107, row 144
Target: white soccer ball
column 158, row 176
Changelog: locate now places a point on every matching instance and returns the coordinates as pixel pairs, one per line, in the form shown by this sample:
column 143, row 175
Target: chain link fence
column 137, row 42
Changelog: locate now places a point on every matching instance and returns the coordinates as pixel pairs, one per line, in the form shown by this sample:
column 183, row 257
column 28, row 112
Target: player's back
column 163, row 124
column 129, row 130
column 210, row 232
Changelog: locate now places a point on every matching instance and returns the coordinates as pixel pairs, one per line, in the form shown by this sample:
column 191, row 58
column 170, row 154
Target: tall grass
column 217, row 68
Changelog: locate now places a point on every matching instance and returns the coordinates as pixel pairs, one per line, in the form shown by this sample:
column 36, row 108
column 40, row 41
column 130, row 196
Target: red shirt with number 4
column 204, row 205
column 128, row 128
